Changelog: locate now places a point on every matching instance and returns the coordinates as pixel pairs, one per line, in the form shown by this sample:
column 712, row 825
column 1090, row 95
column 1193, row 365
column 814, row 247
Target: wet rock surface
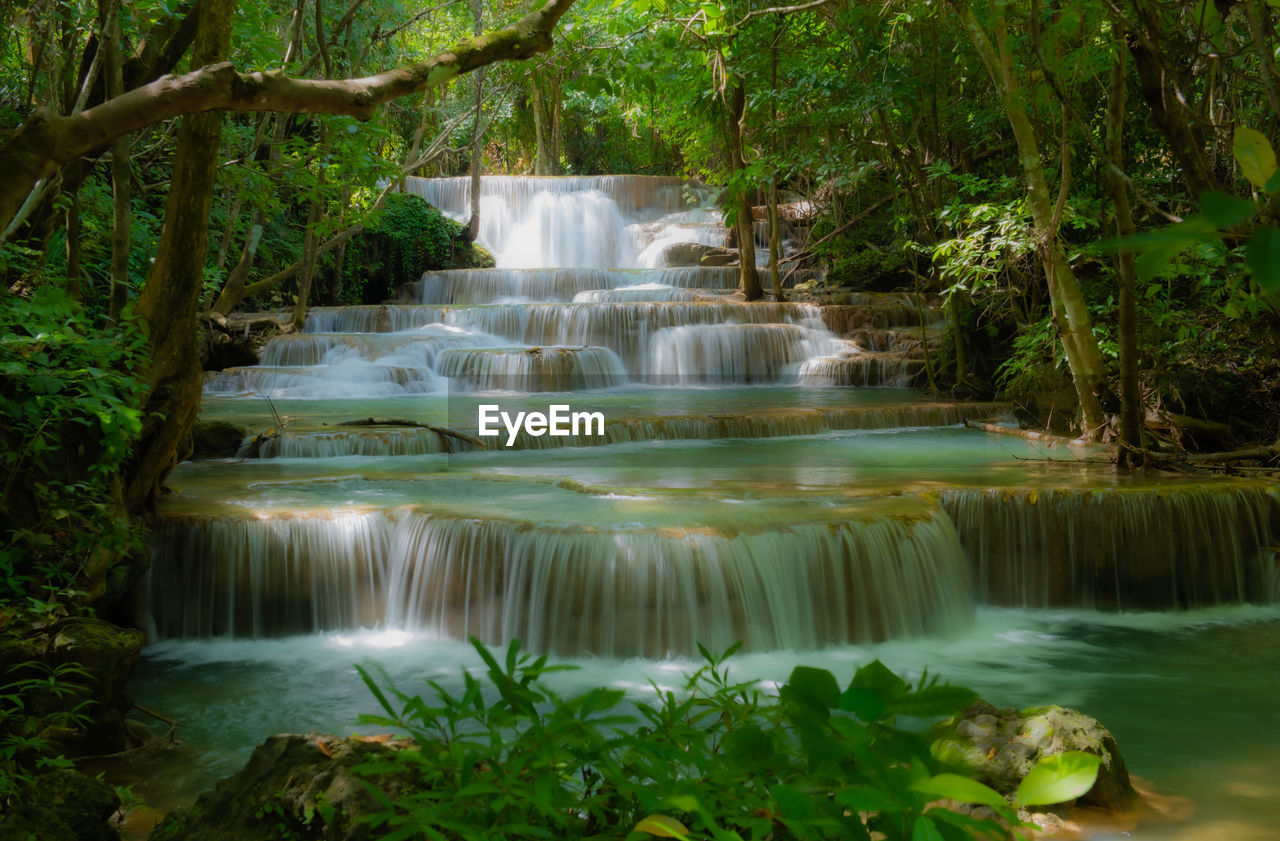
column 999, row 747
column 293, row 786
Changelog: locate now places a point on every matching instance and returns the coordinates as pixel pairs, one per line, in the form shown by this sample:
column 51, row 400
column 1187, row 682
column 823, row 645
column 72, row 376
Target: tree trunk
column 121, row 179
column 170, row 298
column 74, row 269
column 477, row 137
column 545, row 99
column 1132, row 452
column 775, row 241
column 1069, row 308
column 310, row 250
column 748, row 278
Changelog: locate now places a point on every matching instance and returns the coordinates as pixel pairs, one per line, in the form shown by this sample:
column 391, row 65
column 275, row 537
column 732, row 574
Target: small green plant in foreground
column 508, row 758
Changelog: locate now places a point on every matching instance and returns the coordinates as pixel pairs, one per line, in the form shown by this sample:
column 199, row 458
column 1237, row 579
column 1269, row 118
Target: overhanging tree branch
column 48, row 140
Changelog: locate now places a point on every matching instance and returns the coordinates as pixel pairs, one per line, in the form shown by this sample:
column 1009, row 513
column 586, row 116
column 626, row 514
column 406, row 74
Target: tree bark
column 1068, row 306
column 48, row 140
column 545, row 99
column 477, row 136
column 1132, row 452
column 121, row 179
column 170, row 298
column 748, row 277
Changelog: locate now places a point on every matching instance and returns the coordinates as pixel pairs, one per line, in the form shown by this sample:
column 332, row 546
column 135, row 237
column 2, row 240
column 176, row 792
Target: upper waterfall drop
column 590, row 222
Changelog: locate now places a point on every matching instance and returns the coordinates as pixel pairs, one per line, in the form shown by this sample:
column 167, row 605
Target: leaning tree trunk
column 1068, row 306
column 170, row 299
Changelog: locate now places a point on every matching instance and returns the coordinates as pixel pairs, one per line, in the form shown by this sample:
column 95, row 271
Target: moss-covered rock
column 999, row 747
column 62, row 805
column 89, row 661
column 295, row 787
column 216, row 439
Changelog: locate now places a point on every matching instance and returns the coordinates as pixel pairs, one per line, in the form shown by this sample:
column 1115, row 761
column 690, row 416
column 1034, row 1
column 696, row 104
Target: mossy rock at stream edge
column 296, row 787
column 62, row 805
column 999, row 747
column 103, row 657
column 216, row 439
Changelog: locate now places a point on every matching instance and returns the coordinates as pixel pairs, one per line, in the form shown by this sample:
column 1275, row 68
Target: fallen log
column 439, row 430
column 1029, row 434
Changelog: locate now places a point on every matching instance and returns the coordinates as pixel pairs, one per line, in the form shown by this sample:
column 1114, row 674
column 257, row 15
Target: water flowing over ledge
column 1120, row 548
column 615, row 592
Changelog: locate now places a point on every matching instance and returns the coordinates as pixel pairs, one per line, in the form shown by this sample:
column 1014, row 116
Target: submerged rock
column 999, row 747
column 297, row 787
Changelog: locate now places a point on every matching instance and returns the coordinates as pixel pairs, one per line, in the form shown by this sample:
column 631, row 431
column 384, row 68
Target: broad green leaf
column 663, row 827
column 873, row 688
column 793, row 803
column 867, row 799
column 934, row 701
column 960, row 789
column 924, row 829
column 1262, row 253
column 1226, row 211
column 816, row 687
column 1057, row 779
column 1273, row 183
column 1254, row 154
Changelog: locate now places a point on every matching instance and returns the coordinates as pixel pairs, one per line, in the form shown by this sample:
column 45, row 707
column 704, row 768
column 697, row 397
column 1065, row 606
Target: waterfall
column 1120, row 548
column 533, row 369
column 267, row 576
column 618, row 593
column 497, row 286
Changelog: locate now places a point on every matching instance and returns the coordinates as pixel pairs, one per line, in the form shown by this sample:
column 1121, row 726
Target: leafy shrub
column 408, row 237
column 69, row 413
column 720, row 760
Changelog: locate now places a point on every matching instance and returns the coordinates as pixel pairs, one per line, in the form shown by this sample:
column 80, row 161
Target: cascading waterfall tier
column 570, row 590
column 267, row 576
column 861, row 369
column 1119, row 548
column 558, row 221
column 733, row 353
column 352, row 378
column 773, row 423
column 488, row 286
column 533, row 369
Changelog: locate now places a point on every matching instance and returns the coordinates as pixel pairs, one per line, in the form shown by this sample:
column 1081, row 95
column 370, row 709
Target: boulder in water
column 999, row 747
column 299, row 787
column 216, row 439
column 692, row 254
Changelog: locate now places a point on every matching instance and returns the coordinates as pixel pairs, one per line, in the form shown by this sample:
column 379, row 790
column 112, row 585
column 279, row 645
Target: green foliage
column 24, row 748
column 509, row 758
column 69, row 412
column 407, row 238
column 1223, row 219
